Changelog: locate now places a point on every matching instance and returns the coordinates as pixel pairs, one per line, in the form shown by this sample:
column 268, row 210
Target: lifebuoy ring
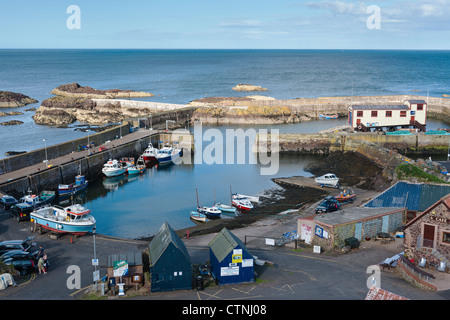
column 359, row 127
column 67, row 218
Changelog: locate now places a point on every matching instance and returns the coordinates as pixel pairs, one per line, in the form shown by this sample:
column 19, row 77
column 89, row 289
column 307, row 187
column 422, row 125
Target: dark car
column 19, row 255
column 21, row 212
column 24, row 266
column 7, row 202
column 329, row 204
column 10, row 245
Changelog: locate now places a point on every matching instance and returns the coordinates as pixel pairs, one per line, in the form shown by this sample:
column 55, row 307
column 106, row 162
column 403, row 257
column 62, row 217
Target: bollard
column 187, row 234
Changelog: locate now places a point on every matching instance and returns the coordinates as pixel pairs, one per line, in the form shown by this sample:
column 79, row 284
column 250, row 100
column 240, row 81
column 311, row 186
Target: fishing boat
column 328, row 116
column 126, row 162
column 149, row 154
column 138, row 168
column 73, row 219
column 242, row 204
column 66, row 190
column 197, row 216
column 34, row 201
column 167, row 155
column 225, row 208
column 346, row 196
column 328, row 180
column 242, row 196
column 210, row 212
column 113, row 168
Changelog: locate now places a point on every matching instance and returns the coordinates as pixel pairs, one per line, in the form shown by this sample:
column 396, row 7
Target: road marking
column 314, row 258
column 79, row 290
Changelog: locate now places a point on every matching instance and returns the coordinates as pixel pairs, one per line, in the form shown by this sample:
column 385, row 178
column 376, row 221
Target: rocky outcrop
column 10, row 99
column 74, row 90
column 12, row 113
column 61, row 111
column 11, row 123
column 248, row 87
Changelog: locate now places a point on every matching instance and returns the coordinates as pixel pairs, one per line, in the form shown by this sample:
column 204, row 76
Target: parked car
column 19, row 255
column 21, row 212
column 24, row 266
column 10, row 245
column 329, row 204
column 7, row 202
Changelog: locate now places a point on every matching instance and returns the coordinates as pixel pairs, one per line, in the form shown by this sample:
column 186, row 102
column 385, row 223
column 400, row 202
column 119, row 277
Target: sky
column 231, row 24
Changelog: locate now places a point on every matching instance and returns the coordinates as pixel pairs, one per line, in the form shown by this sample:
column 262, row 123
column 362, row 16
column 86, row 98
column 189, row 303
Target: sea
column 133, row 207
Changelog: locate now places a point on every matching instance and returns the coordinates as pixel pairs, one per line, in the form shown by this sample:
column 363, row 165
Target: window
column 446, row 237
column 388, row 113
column 402, row 113
column 374, row 114
column 420, row 107
column 359, row 113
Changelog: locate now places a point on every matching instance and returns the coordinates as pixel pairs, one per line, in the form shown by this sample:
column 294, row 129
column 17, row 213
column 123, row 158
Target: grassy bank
column 408, row 171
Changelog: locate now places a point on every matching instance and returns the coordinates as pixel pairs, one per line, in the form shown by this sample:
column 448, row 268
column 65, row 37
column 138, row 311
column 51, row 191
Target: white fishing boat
column 149, row 154
column 249, row 198
column 210, row 212
column 74, row 219
column 113, row 168
column 167, row 155
column 328, row 180
column 242, row 204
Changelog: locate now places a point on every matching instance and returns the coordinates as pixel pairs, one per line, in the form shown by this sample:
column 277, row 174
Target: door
column 413, row 118
column 385, row 224
column 428, row 235
column 358, row 231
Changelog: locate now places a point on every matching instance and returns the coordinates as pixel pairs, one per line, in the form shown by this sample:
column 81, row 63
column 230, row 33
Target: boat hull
column 114, row 173
column 197, row 216
column 68, row 191
column 62, row 226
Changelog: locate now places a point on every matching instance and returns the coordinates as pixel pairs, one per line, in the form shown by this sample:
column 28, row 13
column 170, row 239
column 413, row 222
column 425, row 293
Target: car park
column 328, row 204
column 10, row 245
column 7, row 202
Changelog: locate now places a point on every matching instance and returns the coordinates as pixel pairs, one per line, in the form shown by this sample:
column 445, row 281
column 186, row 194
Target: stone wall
column 331, row 105
column 439, row 217
column 37, row 156
column 90, row 166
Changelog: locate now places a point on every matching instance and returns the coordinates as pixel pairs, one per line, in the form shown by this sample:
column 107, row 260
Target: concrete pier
column 62, row 170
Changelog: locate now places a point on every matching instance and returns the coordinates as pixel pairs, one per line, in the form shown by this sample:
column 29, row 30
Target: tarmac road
column 293, row 275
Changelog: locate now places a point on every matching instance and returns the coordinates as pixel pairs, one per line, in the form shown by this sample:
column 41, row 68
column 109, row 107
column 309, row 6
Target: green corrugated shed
column 170, row 263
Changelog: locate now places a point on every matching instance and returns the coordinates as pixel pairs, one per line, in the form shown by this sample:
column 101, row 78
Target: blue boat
column 67, row 190
column 73, row 219
column 197, row 216
column 168, row 155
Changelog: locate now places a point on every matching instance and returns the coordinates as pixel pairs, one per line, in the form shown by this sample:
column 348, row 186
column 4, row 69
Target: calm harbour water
column 136, row 207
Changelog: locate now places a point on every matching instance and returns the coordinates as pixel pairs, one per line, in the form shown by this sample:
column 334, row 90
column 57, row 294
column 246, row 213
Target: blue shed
column 170, row 263
column 230, row 260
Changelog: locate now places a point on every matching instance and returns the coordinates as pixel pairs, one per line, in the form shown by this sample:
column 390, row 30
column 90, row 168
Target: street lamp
column 95, row 261
column 46, row 158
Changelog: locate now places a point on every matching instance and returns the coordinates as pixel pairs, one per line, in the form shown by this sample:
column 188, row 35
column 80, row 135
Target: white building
column 413, row 113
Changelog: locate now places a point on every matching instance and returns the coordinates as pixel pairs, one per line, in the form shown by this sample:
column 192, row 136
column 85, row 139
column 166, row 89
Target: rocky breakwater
column 75, row 103
column 227, row 112
column 10, row 99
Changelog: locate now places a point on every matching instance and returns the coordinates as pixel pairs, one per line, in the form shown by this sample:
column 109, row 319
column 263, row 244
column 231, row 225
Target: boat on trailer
column 74, row 219
column 328, row 180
